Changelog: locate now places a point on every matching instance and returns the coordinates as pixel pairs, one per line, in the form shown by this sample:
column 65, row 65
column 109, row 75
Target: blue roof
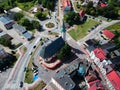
column 5, row 19
column 81, row 70
column 35, row 77
column 48, row 50
column 27, row 35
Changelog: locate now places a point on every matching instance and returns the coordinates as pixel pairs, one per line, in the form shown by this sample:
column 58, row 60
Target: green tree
column 18, row 16
column 5, row 42
column 72, row 18
column 64, row 52
column 41, row 15
column 49, row 4
column 36, row 24
column 25, row 22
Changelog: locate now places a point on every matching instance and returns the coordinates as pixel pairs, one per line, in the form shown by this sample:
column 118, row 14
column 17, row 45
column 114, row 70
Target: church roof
column 51, row 48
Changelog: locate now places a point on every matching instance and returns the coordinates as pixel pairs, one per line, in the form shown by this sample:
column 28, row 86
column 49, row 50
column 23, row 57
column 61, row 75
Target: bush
column 18, row 16
column 64, row 52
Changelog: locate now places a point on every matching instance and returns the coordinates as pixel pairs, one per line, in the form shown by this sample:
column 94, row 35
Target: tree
column 25, row 22
column 5, row 42
column 64, row 52
column 7, row 61
column 1, row 10
column 49, row 4
column 36, row 24
column 72, row 18
column 18, row 16
column 40, row 15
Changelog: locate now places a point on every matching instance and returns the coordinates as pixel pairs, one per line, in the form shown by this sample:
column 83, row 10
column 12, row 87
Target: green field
column 81, row 30
column 116, row 30
column 26, row 6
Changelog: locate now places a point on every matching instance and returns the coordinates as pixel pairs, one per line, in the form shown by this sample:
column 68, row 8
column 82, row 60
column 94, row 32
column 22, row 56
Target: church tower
column 63, row 31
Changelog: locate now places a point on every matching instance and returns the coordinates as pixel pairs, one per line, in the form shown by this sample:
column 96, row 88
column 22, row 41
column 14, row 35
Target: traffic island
column 50, row 25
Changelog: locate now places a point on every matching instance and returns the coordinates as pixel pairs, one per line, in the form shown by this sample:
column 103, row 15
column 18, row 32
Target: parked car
column 35, row 71
column 21, row 84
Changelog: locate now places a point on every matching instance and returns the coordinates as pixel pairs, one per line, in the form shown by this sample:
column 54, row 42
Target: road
column 17, row 73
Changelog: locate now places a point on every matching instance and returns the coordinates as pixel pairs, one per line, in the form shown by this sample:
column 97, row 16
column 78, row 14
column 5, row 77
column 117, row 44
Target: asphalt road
column 17, row 73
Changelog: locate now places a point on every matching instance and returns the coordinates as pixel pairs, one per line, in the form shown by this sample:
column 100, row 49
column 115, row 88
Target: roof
column 103, row 5
column 90, row 42
column 5, row 20
column 49, row 49
column 66, row 3
column 7, row 36
column 63, row 76
column 108, row 46
column 66, row 82
column 96, row 85
column 82, row 70
column 108, row 34
column 16, row 9
column 90, row 48
column 27, row 35
column 114, row 79
column 115, row 60
column 20, row 29
column 99, row 53
column 73, row 67
column 81, row 13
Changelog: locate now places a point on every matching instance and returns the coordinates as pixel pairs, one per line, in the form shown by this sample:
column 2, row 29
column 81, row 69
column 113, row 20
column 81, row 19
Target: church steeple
column 63, row 31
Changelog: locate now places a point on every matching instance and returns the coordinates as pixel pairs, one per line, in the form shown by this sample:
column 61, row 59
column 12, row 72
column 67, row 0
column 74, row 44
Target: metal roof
column 5, row 20
column 64, row 80
column 27, row 35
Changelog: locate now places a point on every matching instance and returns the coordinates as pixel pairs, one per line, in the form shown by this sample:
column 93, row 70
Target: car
column 21, row 84
column 35, row 71
column 31, row 53
column 34, row 46
column 25, row 68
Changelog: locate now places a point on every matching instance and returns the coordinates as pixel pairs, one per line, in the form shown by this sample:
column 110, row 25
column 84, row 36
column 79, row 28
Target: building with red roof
column 109, row 35
column 82, row 14
column 99, row 53
column 96, row 85
column 114, row 79
column 67, row 6
column 102, row 5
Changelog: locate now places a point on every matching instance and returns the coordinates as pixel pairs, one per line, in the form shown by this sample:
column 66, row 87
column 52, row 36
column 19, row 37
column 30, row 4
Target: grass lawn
column 29, row 73
column 81, row 30
column 40, row 86
column 116, row 30
column 26, row 6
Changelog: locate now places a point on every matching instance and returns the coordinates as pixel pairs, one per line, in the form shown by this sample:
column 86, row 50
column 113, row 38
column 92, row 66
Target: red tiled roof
column 66, row 3
column 114, row 79
column 99, row 53
column 102, row 5
column 82, row 13
column 95, row 85
column 108, row 34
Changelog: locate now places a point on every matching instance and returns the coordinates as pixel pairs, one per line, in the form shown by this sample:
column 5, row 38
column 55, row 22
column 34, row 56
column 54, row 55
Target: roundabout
column 50, row 25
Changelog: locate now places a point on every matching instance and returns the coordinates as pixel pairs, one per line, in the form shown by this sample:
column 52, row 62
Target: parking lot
column 14, row 34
